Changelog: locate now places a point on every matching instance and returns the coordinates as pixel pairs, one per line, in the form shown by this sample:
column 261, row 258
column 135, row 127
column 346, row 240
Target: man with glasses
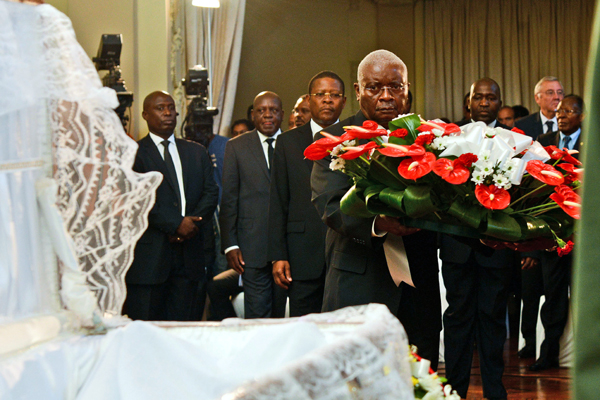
column 296, row 232
column 362, row 253
column 555, row 270
column 548, row 93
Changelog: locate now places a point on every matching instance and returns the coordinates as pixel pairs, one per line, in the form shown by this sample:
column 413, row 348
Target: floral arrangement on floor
column 472, row 181
column 427, row 384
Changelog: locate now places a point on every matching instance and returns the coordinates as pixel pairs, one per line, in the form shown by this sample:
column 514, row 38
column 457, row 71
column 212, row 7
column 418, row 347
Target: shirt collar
column 158, row 140
column 316, row 128
column 264, row 137
column 574, row 136
column 544, row 119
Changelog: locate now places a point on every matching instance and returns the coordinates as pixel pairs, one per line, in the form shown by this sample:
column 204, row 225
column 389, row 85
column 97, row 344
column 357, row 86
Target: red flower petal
column 399, row 133
column 357, row 151
column 568, row 200
column 545, row 173
column 563, row 251
column 425, row 139
column 398, row 150
column 416, row 167
column 466, row 160
column 442, row 167
column 492, row 197
column 517, row 130
column 448, row 129
column 370, row 125
column 315, row 152
column 359, row 132
column 451, row 171
column 557, row 154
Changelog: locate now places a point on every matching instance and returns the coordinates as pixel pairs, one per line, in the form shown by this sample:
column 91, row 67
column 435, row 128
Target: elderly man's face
column 550, row 94
column 267, row 114
column 569, row 116
column 382, row 92
column 485, row 101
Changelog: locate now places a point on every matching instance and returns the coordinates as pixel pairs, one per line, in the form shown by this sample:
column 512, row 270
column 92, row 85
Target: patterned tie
column 566, row 142
column 171, row 170
column 550, row 126
column 270, row 151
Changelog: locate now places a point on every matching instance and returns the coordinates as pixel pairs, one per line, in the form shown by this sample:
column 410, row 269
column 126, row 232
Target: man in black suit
column 476, row 279
column 245, row 206
column 168, row 262
column 555, row 270
column 296, row 232
column 547, row 94
column 357, row 270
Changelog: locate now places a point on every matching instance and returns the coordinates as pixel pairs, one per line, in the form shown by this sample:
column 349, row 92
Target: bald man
column 168, row 261
column 356, row 248
column 245, row 205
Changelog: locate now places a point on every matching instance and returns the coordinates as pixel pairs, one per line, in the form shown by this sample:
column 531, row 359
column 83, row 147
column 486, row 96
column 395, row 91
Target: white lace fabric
column 56, row 121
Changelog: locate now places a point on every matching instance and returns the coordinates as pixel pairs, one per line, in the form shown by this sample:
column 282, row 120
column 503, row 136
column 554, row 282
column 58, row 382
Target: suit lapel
column 256, row 149
column 155, row 158
column 306, row 140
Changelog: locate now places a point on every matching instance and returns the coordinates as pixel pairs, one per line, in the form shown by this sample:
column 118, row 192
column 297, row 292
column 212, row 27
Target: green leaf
column 410, row 123
column 417, row 201
column 442, row 227
column 560, row 222
column 468, row 214
column 353, row 203
column 503, row 226
column 375, row 204
column 385, row 171
column 392, row 198
column 533, row 227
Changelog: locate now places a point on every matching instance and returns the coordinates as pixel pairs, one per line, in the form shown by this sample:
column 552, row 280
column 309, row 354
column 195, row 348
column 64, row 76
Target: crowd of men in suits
column 283, row 235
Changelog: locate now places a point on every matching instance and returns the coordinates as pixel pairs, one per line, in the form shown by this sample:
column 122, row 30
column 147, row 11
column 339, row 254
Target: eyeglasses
column 332, row 96
column 552, row 92
column 567, row 112
column 375, row 90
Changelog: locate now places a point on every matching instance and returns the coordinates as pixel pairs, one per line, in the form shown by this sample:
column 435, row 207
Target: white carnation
column 337, row 164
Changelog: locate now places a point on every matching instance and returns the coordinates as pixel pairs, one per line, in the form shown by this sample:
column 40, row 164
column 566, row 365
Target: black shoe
column 526, row 352
column 541, row 365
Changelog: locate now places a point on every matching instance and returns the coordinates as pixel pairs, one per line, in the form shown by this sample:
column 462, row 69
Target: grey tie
column 566, row 142
column 270, row 151
column 171, row 170
column 550, row 126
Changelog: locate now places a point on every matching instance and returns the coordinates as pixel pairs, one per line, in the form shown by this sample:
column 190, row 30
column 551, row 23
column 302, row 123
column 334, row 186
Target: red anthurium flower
column 466, row 160
column 367, row 131
column 568, row 200
column 425, row 139
column 322, row 147
column 356, row 151
column 573, row 173
column 545, row 173
column 399, row 133
column 451, row 171
column 416, row 167
column 428, row 126
column 517, row 130
column 399, row 150
column 315, row 152
column 563, row 251
column 557, row 154
column 492, row 197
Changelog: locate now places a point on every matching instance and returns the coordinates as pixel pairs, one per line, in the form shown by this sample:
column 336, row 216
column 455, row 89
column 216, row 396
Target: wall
column 143, row 24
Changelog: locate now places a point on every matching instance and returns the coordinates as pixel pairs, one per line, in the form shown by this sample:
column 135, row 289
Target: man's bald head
column 267, row 113
column 382, row 87
column 150, row 98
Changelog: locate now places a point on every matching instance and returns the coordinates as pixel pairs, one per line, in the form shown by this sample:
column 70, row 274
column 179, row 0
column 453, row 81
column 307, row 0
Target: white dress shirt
column 176, row 162
column 574, row 137
column 544, row 120
column 316, row 128
column 265, row 145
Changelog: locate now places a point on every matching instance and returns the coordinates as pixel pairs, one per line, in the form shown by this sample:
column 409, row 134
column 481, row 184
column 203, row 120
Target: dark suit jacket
column 531, row 125
column 357, row 268
column 245, row 202
column 553, row 138
column 153, row 258
column 458, row 250
column 296, row 232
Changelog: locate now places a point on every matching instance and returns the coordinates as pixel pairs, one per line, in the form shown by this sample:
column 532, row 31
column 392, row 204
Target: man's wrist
column 227, row 250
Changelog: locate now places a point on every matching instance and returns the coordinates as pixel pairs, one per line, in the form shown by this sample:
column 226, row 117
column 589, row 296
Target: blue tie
column 566, row 142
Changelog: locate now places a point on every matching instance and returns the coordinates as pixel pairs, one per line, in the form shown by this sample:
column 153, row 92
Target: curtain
column 514, row 42
column 189, row 35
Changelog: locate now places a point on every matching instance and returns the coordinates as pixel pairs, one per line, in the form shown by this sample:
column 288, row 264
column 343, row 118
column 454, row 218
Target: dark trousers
column 306, row 296
column 532, row 288
column 556, row 272
column 172, row 300
column 262, row 297
column 220, row 291
column 477, row 299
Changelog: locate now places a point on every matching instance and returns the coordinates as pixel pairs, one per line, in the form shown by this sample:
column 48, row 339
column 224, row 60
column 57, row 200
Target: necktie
column 171, row 170
column 566, row 142
column 270, row 151
column 550, row 126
